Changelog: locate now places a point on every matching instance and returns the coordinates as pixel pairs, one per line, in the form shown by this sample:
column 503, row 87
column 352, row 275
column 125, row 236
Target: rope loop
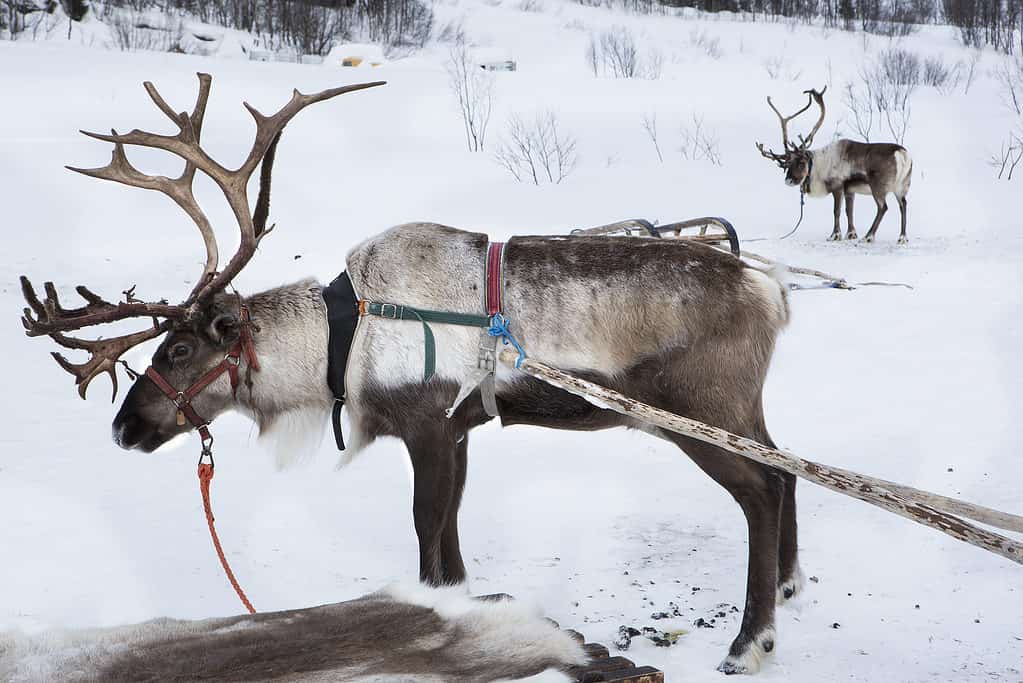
column 499, row 328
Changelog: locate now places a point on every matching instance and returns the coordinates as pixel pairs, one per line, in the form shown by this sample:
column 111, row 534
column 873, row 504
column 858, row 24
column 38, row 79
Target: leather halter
column 183, row 399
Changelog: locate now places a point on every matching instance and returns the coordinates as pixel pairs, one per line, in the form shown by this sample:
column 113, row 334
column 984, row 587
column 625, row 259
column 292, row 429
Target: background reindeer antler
column 48, row 317
column 804, row 143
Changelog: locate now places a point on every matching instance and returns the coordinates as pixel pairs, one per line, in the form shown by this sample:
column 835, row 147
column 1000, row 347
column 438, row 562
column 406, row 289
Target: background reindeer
column 844, row 168
column 672, row 323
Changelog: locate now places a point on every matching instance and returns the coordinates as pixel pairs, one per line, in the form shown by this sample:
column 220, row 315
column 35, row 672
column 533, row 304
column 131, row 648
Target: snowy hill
column 918, row 386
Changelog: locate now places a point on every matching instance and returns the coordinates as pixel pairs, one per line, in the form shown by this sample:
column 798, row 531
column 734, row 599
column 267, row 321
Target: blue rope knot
column 499, row 328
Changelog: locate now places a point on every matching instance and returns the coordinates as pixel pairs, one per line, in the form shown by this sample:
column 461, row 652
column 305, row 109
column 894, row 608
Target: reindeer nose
column 128, row 430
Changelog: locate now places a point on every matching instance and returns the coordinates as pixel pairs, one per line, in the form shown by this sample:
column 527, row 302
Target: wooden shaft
column 870, row 490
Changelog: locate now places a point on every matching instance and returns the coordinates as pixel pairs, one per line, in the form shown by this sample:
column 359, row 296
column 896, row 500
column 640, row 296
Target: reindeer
column 844, row 168
column 676, row 324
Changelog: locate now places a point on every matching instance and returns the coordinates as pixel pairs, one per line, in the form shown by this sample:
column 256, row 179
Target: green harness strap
column 424, row 316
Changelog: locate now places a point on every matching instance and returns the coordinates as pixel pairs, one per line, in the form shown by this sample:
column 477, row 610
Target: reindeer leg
column 851, row 234
column 790, row 576
column 902, row 210
column 759, row 491
column 836, row 233
column 432, row 452
column 882, row 208
column 452, row 567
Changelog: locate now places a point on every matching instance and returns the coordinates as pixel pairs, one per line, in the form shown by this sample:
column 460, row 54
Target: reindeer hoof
column 868, row 239
column 752, row 657
column 790, row 587
column 851, row 235
column 903, row 240
column 835, row 237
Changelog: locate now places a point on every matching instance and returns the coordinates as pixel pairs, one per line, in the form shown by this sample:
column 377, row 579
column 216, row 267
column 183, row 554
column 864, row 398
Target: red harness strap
column 495, row 258
column 183, row 401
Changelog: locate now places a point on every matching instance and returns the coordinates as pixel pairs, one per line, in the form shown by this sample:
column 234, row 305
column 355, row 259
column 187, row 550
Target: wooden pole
column 918, row 506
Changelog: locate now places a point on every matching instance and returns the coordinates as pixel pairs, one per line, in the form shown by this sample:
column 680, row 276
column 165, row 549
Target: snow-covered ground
column 919, row 386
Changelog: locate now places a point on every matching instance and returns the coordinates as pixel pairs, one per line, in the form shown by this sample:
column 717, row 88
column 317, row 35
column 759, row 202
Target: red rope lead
column 205, row 476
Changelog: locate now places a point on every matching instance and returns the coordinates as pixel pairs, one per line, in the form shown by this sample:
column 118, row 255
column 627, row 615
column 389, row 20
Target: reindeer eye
column 179, row 351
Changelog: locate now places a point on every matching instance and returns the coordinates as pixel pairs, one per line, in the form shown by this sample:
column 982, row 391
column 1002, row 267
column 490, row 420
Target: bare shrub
column 699, row 142
column 473, row 87
column 1009, row 156
column 883, row 90
column 614, row 53
column 941, row 76
column 131, row 30
column 619, row 54
column 537, row 151
column 531, row 6
column 1009, row 75
column 451, row 32
column 711, row 45
column 971, row 70
column 650, row 126
column 773, row 66
column 779, row 67
column 859, row 101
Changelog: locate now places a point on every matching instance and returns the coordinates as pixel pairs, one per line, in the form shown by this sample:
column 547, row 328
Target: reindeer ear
column 225, row 328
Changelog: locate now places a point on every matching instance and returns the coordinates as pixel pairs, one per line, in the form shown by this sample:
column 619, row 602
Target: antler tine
column 768, row 154
column 235, row 183
column 817, row 97
column 49, row 317
column 103, row 355
column 785, row 120
column 186, row 145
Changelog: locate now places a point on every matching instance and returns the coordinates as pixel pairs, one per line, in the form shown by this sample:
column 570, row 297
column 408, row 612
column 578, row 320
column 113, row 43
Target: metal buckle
column 486, row 359
column 394, row 309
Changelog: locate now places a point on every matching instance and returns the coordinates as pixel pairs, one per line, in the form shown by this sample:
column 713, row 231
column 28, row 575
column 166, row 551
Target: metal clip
column 206, row 455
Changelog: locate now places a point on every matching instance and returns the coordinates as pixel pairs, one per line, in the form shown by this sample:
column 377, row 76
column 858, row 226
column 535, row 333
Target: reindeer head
column 796, row 158
column 205, row 329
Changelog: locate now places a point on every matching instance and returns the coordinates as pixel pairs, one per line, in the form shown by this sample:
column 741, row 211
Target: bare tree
column 533, row 151
column 473, row 87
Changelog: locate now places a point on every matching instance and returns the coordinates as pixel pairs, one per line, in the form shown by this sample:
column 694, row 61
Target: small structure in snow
column 504, row 65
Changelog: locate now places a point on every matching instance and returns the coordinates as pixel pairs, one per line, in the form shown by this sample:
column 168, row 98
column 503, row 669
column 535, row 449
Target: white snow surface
column 918, row 386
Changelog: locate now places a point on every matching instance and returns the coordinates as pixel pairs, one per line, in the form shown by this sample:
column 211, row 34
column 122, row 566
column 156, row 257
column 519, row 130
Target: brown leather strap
column 183, row 399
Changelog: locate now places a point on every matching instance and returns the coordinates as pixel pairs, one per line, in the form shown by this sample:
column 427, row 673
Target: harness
column 344, row 309
column 183, row 399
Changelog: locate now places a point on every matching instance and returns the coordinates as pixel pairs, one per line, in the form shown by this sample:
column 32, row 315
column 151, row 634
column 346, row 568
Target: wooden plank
column 638, row 674
column 868, row 489
column 596, row 650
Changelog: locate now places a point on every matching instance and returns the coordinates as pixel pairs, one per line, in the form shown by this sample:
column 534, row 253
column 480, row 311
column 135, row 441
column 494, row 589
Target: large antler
column 48, row 317
column 817, row 97
column 812, row 96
